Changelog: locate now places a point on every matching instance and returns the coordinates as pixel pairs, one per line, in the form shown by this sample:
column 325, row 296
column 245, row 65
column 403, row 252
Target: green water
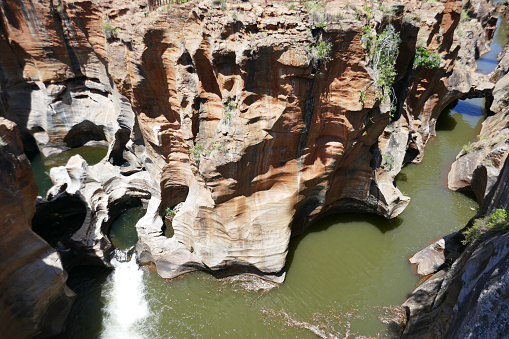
column 122, row 230
column 42, row 165
column 342, row 274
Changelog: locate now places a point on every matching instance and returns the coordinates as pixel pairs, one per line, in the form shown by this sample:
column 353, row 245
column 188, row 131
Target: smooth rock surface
column 236, row 117
column 104, row 191
column 429, row 259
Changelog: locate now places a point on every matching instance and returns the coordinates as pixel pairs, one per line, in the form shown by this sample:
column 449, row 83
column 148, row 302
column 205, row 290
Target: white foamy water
column 126, row 308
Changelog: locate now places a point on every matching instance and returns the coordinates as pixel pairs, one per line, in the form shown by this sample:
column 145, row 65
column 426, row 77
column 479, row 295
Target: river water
column 343, row 275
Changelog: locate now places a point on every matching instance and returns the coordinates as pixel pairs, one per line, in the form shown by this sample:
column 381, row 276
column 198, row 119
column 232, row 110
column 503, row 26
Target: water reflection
column 487, row 63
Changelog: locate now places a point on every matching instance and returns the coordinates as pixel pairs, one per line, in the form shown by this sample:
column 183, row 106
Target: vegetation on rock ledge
column 497, row 221
column 424, row 58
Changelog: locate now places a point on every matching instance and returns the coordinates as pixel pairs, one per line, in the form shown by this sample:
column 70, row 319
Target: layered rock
column 478, row 165
column 34, row 300
column 53, row 74
column 239, row 118
column 270, row 154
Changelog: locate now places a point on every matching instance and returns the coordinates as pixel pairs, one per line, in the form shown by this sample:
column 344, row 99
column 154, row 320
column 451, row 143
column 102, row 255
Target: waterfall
column 126, row 308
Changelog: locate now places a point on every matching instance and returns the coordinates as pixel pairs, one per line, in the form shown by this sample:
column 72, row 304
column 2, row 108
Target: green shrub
column 465, row 16
column 389, row 161
column 109, row 31
column 321, row 52
column 228, row 110
column 383, row 60
column 497, row 221
column 321, row 24
column 215, row 146
column 169, row 213
column 196, row 150
column 424, row 58
column 362, row 98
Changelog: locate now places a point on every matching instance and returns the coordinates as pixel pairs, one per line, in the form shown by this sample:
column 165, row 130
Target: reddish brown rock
column 35, row 300
column 236, row 118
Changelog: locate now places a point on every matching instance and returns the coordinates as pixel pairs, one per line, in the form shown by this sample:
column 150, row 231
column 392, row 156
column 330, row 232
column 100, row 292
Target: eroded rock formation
column 104, row 191
column 35, row 300
column 234, row 116
column 240, row 121
column 479, row 163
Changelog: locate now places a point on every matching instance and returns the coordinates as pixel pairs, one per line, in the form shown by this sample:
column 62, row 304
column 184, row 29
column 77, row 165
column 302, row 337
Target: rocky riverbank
column 244, row 122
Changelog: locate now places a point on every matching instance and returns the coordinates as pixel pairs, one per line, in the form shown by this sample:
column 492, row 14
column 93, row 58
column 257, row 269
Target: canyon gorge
column 235, row 127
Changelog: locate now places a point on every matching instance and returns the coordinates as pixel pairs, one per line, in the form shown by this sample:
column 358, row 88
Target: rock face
column 53, row 75
column 469, row 300
column 34, row 300
column 270, row 140
column 241, row 119
column 478, row 165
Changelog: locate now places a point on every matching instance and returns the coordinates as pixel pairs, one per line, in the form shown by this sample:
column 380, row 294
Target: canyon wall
column 465, row 295
column 467, row 298
column 35, row 300
column 249, row 134
column 244, row 124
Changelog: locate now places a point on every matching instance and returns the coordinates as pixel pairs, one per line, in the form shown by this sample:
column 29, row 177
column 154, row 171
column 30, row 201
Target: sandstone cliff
column 248, row 131
column 35, row 300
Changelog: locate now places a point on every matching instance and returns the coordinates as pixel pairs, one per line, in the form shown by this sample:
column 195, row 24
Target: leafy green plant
column 169, row 213
column 383, row 61
column 470, row 147
column 467, row 148
column 321, row 52
column 424, row 58
column 228, row 110
column 109, row 31
column 465, row 16
column 497, row 221
column 215, row 146
column 196, row 150
column 389, row 161
column 321, row 24
column 362, row 98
